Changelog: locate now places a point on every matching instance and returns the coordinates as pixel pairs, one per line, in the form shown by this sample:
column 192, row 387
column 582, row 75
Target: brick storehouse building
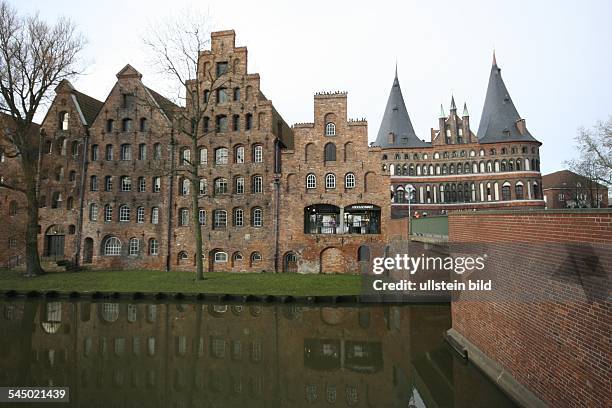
column 335, row 200
column 497, row 167
column 566, row 189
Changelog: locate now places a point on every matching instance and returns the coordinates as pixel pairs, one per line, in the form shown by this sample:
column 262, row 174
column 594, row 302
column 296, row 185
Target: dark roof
column 166, row 105
column 568, row 179
column 498, row 122
column 396, row 120
column 90, row 107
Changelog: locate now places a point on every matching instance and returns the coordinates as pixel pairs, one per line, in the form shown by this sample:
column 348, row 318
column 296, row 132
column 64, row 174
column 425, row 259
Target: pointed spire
column 442, row 114
column 453, row 107
column 498, row 122
column 396, row 68
column 465, row 110
column 494, row 59
column 396, row 121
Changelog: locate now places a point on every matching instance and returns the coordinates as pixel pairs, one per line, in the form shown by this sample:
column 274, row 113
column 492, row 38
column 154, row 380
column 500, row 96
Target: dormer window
column 330, row 129
column 391, row 138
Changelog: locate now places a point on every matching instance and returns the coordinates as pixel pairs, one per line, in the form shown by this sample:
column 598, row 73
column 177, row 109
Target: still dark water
column 217, row 355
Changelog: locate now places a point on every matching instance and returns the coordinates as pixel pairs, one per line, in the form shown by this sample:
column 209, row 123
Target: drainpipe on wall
column 171, row 201
column 277, row 171
column 84, row 164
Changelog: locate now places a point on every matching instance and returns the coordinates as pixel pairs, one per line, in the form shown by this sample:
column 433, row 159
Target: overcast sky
column 555, row 56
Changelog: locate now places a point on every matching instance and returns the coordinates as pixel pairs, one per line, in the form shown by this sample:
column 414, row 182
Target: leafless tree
column 175, row 45
column 595, row 153
column 34, row 57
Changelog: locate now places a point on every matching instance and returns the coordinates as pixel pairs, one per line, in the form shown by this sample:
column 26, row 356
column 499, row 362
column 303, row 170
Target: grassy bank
column 157, row 281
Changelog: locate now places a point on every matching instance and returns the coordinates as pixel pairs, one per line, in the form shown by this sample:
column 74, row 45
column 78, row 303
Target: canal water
column 120, row 354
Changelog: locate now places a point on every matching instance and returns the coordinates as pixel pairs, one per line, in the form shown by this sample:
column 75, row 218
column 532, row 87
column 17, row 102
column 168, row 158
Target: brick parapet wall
column 557, row 347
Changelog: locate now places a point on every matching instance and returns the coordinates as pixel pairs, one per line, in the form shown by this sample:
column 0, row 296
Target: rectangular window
column 140, row 215
column 202, row 216
column 94, row 153
column 221, row 68
column 108, row 183
column 157, row 151
column 238, row 217
column 240, row 154
column 203, row 156
column 126, row 152
column 155, row 216
column 126, row 183
column 183, row 217
column 142, row 152
column 258, row 154
column 257, row 184
column 142, row 184
column 109, row 152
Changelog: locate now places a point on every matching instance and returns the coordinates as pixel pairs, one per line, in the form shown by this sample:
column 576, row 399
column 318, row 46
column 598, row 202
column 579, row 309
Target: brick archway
column 332, row 260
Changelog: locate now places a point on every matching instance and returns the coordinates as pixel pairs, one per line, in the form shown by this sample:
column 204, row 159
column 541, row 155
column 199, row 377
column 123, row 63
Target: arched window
column 236, row 94
column 185, row 156
column 126, row 183
column 142, row 184
column 518, row 190
column 311, row 181
column 184, row 186
column 349, row 180
column 182, row 256
column 109, row 152
column 221, row 155
column 221, row 123
column 239, row 154
column 506, row 195
column 219, row 219
column 238, row 217
column 220, row 257
column 309, row 152
column 126, row 125
column 203, row 186
column 330, row 129
column 124, row 213
column 256, row 217
column 153, row 247
column 203, row 155
column 134, row 246
column 140, row 215
column 257, row 184
column 256, row 257
column 183, row 217
column 330, row 152
column 220, row 186
column 112, row 246
column 258, row 154
column 69, row 203
column 142, row 151
column 330, row 181
column 239, row 185
column 248, row 121
column 108, row 213
column 110, row 124
column 157, row 151
column 74, row 148
column 154, row 215
column 202, row 216
column 64, row 119
column 144, row 126
column 93, row 212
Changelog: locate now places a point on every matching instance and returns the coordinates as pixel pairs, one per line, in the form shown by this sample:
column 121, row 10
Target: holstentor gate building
column 309, row 198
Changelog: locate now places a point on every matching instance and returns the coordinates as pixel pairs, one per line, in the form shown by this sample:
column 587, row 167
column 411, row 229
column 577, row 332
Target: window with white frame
column 311, row 181
column 185, row 156
column 221, row 156
column 140, row 215
column 154, row 215
column 185, row 186
column 203, row 186
column 238, row 217
column 240, row 154
column 221, row 186
column 220, row 256
column 202, row 216
column 126, row 183
column 330, row 129
column 93, row 212
column 142, row 184
column 239, row 185
column 257, row 184
column 126, row 152
column 124, row 213
column 183, row 217
column 258, row 154
column 108, row 213
column 156, row 184
column 112, row 246
column 153, row 247
column 134, row 246
column 220, row 219
column 203, row 155
column 349, row 180
column 330, row 181
column 108, row 183
column 257, row 217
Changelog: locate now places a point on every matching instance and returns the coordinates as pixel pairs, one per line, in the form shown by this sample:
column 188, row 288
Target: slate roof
column 166, row 105
column 90, row 107
column 396, row 120
column 499, row 115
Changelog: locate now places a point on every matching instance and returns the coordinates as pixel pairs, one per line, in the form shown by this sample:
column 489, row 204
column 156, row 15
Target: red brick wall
column 558, row 346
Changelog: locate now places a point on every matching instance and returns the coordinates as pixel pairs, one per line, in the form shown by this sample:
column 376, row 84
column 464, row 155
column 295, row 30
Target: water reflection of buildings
column 179, row 355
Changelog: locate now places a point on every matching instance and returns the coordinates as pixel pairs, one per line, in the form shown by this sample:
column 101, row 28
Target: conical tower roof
column 498, row 122
column 396, row 121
